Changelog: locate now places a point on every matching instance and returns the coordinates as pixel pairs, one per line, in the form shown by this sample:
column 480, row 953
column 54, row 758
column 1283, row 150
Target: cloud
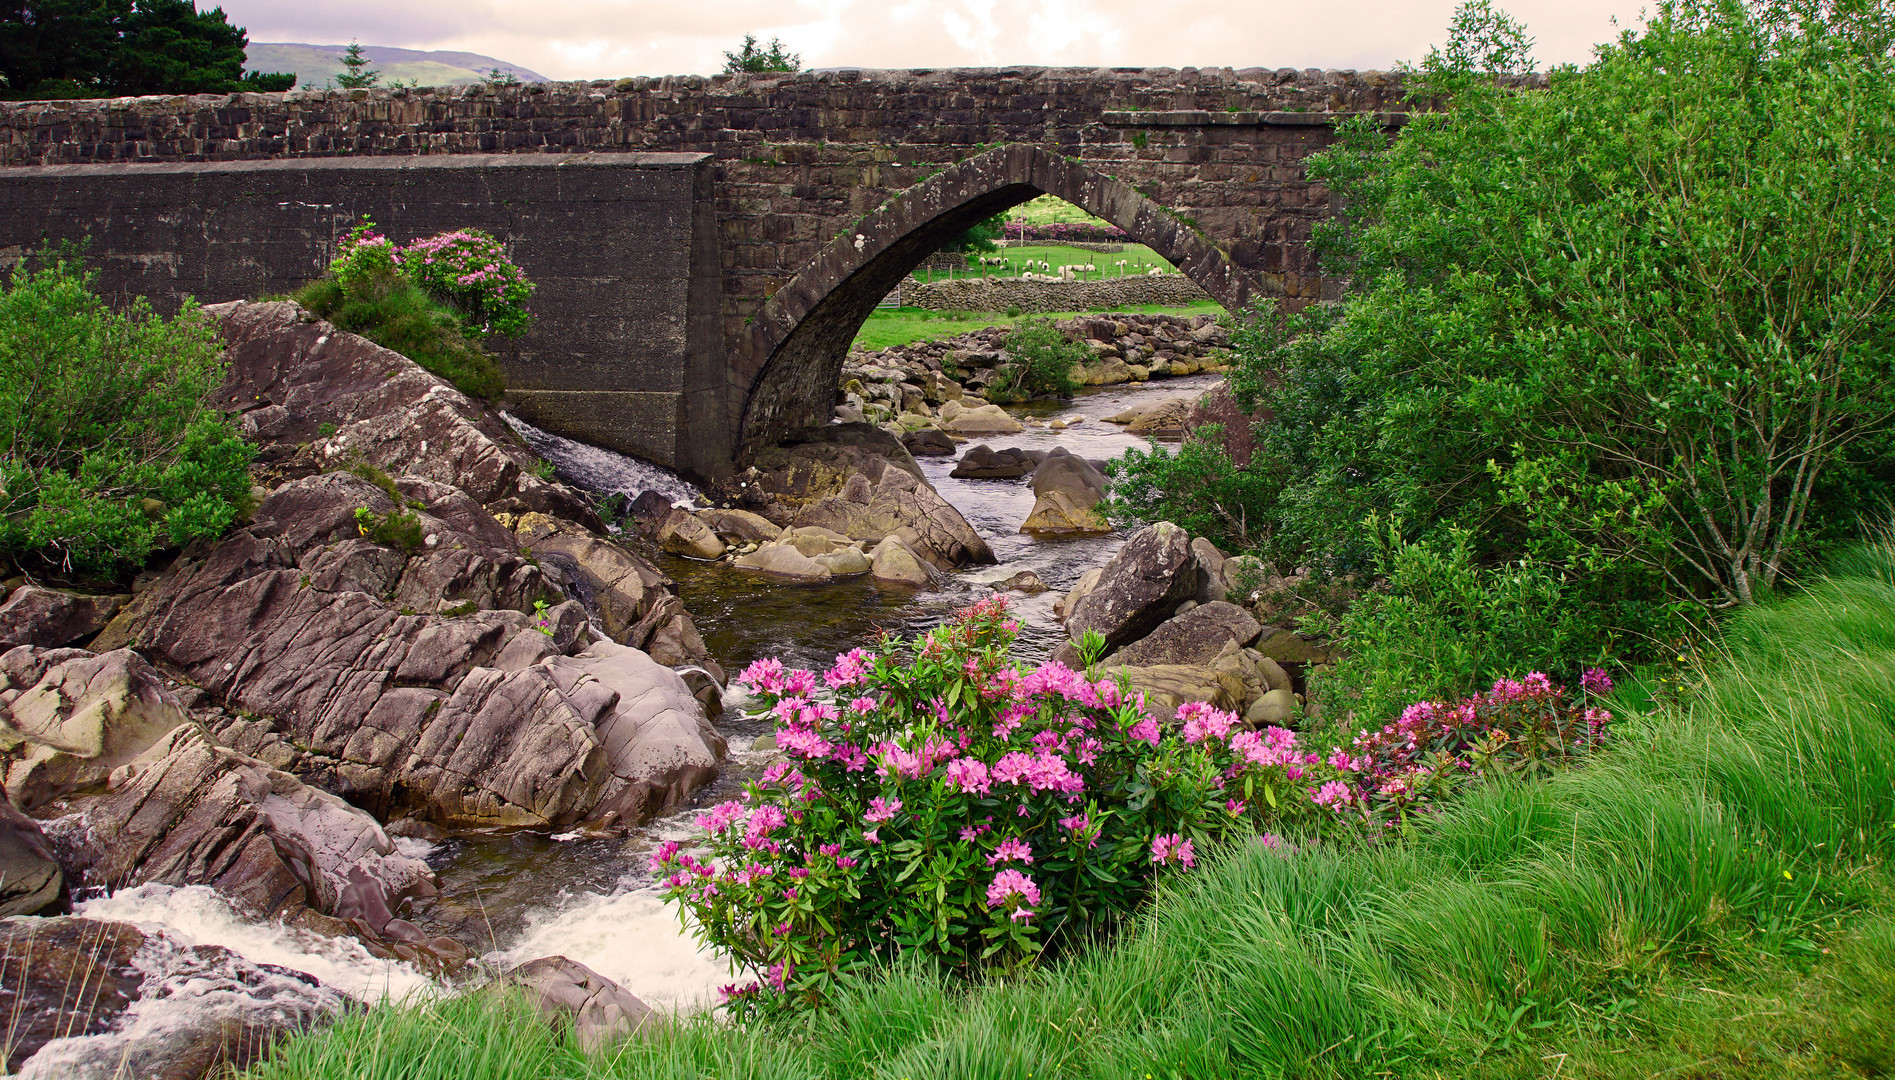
column 578, row 39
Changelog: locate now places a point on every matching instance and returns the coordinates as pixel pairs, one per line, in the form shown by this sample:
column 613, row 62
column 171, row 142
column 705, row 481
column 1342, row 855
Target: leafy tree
column 110, row 445
column 981, row 238
column 1626, row 323
column 752, row 58
column 82, row 48
column 1040, row 365
column 356, row 77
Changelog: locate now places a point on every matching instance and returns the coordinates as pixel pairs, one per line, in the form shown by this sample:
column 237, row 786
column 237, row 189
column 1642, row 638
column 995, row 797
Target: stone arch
column 784, row 373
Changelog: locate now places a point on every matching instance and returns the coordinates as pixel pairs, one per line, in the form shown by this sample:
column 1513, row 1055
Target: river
column 525, row 894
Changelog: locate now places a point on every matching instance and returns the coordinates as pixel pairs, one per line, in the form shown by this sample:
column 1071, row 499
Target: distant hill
column 315, row 65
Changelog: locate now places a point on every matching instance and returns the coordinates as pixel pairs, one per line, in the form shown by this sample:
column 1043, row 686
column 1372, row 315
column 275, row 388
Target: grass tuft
column 397, row 314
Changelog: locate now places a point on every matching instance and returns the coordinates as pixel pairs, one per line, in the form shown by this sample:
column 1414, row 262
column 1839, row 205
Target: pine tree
column 355, row 78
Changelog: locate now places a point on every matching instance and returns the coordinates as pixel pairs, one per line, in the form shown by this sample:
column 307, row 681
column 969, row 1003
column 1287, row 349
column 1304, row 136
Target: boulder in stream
column 1142, row 586
column 600, row 1011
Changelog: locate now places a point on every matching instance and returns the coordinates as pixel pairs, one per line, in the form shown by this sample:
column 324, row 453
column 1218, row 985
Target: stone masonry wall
column 1005, row 294
column 800, row 157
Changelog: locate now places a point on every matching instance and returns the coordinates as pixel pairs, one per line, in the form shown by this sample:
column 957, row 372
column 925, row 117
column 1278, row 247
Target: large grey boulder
column 783, row 560
column 928, row 442
column 30, row 875
column 957, row 419
column 292, row 376
column 659, row 747
column 600, row 1011
column 452, row 718
column 52, row 617
column 682, row 533
column 1067, row 491
column 857, row 480
column 1198, row 636
column 631, row 597
column 1139, row 588
column 191, row 812
column 894, row 563
column 741, row 525
column 69, row 717
column 983, row 462
column 1167, row 686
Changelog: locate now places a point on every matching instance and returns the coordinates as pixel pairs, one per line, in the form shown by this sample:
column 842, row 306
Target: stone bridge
column 706, row 248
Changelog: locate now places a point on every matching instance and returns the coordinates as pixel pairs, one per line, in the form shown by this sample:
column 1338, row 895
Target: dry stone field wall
column 1003, row 294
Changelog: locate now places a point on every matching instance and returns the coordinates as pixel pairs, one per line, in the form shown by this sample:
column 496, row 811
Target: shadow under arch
column 785, row 372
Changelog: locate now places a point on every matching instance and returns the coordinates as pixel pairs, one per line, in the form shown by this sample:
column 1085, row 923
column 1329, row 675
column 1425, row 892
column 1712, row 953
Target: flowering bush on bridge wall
column 466, row 269
column 934, row 798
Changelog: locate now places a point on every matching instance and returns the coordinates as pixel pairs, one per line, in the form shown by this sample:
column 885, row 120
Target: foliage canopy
column 111, row 48
column 110, row 445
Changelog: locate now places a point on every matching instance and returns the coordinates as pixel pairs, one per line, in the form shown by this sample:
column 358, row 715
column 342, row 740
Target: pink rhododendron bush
column 934, row 797
column 468, row 269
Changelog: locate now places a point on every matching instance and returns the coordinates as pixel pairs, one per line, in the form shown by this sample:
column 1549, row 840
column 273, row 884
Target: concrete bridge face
column 706, row 248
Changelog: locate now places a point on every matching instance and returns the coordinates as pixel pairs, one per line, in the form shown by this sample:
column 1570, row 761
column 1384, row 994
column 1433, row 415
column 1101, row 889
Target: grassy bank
column 889, row 327
column 1134, row 260
column 1707, row 898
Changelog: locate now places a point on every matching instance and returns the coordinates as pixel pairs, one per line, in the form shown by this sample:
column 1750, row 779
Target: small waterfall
column 596, row 469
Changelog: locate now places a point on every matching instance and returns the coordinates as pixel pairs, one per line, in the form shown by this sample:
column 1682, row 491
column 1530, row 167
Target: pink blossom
column 1012, row 849
column 763, row 676
column 1201, row 721
column 1173, row 848
column 1235, row 806
column 1596, row 681
column 1009, row 884
column 1145, row 731
column 871, row 835
column 1333, row 794
column 661, row 857
column 881, row 810
column 862, row 705
column 722, row 816
column 970, row 775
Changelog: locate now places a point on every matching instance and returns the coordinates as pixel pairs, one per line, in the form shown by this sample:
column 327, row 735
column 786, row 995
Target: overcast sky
column 586, row 39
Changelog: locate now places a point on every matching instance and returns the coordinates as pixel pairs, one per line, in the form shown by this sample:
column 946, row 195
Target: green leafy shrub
column 399, row 529
column 1625, row 324
column 1441, row 625
column 366, row 294
column 1042, row 363
column 1198, row 487
column 110, row 446
column 941, row 802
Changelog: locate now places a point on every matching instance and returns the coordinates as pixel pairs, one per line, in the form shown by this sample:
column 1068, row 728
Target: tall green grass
column 397, row 314
column 1707, row 898
column 889, row 327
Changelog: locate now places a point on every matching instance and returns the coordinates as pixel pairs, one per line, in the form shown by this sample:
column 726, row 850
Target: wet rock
column 957, row 419
column 929, row 442
column 631, row 597
column 845, row 562
column 740, row 525
column 190, row 812
column 1026, row 581
column 894, row 563
column 1067, row 491
column 1197, row 636
column 566, row 992
column 860, row 482
column 293, row 377
column 648, row 512
column 154, row 1008
column 457, row 720
column 69, row 717
column 814, row 540
column 785, row 561
column 682, row 533
column 1139, row 588
column 30, row 877
column 51, row 617
column 985, row 463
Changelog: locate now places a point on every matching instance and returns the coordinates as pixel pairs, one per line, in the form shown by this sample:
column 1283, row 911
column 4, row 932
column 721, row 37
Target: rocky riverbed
column 414, row 722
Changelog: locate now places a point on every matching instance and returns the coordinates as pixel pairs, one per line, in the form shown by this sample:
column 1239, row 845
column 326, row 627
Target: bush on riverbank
column 1709, row 896
column 110, row 445
column 1553, row 354
column 433, row 301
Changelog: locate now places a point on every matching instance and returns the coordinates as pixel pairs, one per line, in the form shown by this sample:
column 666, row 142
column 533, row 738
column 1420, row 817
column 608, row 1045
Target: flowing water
column 523, row 894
